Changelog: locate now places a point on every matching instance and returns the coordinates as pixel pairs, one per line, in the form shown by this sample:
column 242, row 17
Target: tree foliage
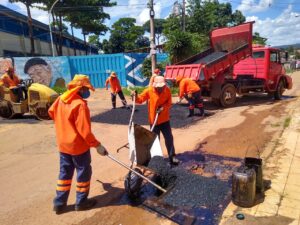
column 28, row 4
column 201, row 18
column 125, row 36
column 158, row 28
column 94, row 40
column 257, row 39
column 147, row 69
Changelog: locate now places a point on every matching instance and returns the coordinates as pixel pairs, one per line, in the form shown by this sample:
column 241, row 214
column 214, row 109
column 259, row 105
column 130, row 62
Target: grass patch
column 275, row 125
column 59, row 90
column 287, row 122
column 127, row 91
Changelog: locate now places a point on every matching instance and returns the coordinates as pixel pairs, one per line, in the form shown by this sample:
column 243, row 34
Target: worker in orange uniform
column 191, row 89
column 159, row 101
column 155, row 74
column 116, row 89
column 12, row 81
column 74, row 139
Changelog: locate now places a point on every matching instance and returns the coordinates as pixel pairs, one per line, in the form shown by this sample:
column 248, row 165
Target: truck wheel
column 279, row 90
column 228, row 95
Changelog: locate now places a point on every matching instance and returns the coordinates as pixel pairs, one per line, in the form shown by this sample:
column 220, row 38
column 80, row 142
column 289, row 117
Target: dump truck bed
column 228, row 47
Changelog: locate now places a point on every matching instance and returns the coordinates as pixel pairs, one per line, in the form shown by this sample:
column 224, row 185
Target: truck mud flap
column 216, row 89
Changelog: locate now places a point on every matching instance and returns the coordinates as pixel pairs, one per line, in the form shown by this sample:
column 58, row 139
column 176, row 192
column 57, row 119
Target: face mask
column 85, row 94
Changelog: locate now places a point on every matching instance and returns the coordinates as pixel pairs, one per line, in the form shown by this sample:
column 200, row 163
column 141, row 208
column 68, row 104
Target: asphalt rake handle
column 140, row 175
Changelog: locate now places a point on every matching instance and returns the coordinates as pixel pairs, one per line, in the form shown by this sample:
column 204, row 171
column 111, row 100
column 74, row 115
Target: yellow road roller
column 39, row 99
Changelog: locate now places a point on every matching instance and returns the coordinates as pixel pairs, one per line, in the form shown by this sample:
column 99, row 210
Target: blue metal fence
column 98, row 67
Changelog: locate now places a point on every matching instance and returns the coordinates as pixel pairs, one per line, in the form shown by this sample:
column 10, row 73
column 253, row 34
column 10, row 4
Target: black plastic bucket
column 256, row 164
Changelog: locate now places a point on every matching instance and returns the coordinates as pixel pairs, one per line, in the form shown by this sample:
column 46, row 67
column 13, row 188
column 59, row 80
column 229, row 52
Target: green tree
column 257, row 39
column 202, row 17
column 94, row 40
column 87, row 15
column 147, row 69
column 158, row 28
column 28, row 4
column 124, row 36
column 142, row 42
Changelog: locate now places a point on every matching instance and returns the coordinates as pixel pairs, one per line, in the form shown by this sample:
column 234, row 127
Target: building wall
column 15, row 45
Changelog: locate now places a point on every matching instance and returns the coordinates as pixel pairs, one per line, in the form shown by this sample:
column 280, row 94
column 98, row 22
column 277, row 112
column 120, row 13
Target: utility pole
column 183, row 15
column 152, row 37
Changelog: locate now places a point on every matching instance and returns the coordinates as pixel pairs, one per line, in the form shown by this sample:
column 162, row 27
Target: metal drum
column 244, row 187
column 256, row 164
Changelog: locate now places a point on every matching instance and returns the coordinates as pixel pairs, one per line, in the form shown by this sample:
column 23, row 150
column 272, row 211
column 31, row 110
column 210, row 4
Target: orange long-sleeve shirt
column 10, row 82
column 156, row 100
column 114, row 83
column 187, row 86
column 73, row 126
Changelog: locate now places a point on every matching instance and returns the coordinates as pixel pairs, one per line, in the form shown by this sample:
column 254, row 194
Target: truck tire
column 279, row 90
column 228, row 95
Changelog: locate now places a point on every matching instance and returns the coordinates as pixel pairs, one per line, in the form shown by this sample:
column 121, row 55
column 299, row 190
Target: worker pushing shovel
column 159, row 104
column 116, row 89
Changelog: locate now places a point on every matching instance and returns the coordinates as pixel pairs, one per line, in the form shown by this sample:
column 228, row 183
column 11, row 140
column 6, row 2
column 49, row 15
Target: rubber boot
column 86, row 205
column 114, row 105
column 191, row 114
column 59, row 209
column 201, row 111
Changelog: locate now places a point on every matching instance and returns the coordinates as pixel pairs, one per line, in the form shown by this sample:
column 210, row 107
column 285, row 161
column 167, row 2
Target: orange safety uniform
column 10, row 82
column 114, row 83
column 155, row 101
column 73, row 126
column 187, row 86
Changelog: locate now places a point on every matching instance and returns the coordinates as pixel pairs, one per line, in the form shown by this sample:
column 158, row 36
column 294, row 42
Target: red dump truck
column 228, row 67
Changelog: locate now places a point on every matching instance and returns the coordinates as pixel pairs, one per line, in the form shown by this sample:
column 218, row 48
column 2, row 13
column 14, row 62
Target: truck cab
column 263, row 72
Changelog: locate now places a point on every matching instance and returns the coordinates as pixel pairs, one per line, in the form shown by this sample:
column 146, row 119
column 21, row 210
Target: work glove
column 102, row 150
column 160, row 109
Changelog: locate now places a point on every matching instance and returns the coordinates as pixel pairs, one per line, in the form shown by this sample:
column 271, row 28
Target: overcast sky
column 277, row 20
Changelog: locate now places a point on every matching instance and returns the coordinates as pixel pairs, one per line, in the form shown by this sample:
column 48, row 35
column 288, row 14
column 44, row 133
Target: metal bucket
column 256, row 164
column 244, row 187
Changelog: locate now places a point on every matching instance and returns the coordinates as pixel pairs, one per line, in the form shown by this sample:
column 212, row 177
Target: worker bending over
column 116, row 89
column 74, row 137
column 12, row 81
column 191, row 89
column 159, row 101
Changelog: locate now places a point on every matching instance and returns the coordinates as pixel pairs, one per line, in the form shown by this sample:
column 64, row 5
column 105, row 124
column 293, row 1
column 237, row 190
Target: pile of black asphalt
column 211, row 58
column 189, row 190
column 121, row 116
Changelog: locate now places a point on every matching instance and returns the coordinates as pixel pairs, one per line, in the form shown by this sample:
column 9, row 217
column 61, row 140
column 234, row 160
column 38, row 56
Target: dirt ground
column 29, row 159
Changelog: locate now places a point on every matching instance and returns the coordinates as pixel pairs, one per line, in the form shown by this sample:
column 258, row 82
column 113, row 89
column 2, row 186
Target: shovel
column 138, row 174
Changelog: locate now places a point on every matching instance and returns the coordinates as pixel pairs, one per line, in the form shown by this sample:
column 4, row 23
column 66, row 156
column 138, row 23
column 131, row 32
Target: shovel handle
column 140, row 175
